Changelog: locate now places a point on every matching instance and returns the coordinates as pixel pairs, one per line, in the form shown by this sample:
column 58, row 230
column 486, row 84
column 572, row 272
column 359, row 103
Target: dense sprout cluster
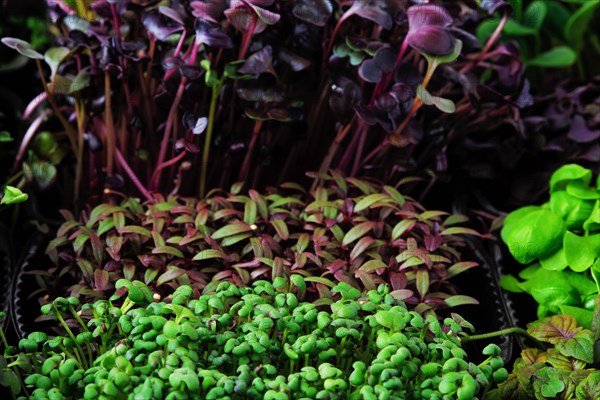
column 354, row 231
column 252, row 343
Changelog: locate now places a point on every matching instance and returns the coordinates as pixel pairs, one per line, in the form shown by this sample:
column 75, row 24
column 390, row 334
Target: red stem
column 246, row 165
column 172, row 114
column 247, row 37
column 132, row 176
column 488, row 44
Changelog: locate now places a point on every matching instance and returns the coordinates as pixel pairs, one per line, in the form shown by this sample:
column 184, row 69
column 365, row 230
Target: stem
column 208, row 138
column 246, row 164
column 109, row 122
column 332, row 39
column 28, row 137
column 132, row 176
column 375, row 151
column 172, row 113
column 335, row 145
column 488, row 44
column 78, row 350
column 247, row 37
column 3, row 338
column 66, row 125
column 79, row 168
column 169, row 162
column 501, row 332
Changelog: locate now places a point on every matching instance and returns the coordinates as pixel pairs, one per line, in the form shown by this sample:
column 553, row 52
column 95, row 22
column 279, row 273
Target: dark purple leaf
column 171, row 62
column 402, row 92
column 191, row 72
column 373, row 10
column 491, row 6
column 175, row 12
column 580, row 132
column 525, row 98
column 470, row 41
column 259, row 62
column 428, row 29
column 209, row 10
column 242, row 14
column 370, row 72
column 409, row 75
column 211, row 35
column 265, row 95
column 296, row 62
column 156, row 24
column 316, row 12
column 346, row 94
column 385, row 58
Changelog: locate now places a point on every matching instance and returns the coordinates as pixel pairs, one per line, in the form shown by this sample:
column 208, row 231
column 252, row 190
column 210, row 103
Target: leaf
column 558, row 57
column 401, row 227
column 578, row 24
column 584, row 317
column 535, row 14
column 368, row 201
column 460, row 231
column 13, row 195
column 593, row 222
column 422, row 282
column 281, row 228
column 171, row 274
column 135, row 229
column 208, row 254
column 250, row 211
column 360, row 247
column 168, row 250
column 573, row 210
column 321, row 280
column 581, row 251
column 54, row 56
column 589, row 387
column 230, row 230
column 442, row 104
column 567, row 173
column 459, row 268
column 101, row 279
column 581, row 190
column 555, row 329
column 532, row 232
column 357, row 232
column 22, row 47
column 316, row 12
column 373, row 265
column 231, row 240
column 513, row 28
column 555, row 262
column 549, row 383
column 459, row 300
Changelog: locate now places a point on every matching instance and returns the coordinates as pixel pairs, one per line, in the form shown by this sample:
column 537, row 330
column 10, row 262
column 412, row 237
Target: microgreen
column 563, row 233
column 353, row 231
column 244, row 343
column 126, row 80
column 565, row 366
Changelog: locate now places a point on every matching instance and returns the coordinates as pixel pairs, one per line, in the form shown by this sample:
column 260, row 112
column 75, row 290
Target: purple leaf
column 175, row 12
column 369, row 71
column 209, row 10
column 428, row 29
column 259, row 62
column 580, row 133
column 491, row 6
column 211, row 35
column 243, row 13
column 385, row 58
column 157, row 25
column 296, row 62
column 316, row 12
column 371, row 10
